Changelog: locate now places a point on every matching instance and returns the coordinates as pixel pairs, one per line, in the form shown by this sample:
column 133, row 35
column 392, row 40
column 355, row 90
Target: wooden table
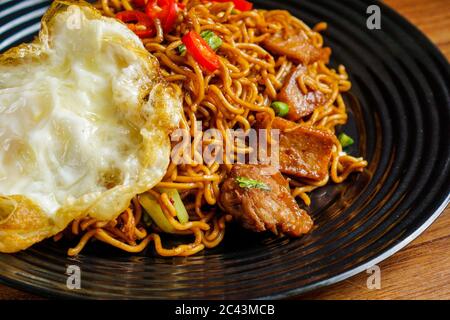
column 422, row 269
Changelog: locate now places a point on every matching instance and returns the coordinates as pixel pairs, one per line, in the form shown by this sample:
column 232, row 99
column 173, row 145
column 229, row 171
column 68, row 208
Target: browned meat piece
column 258, row 197
column 304, row 152
column 297, row 47
column 300, row 105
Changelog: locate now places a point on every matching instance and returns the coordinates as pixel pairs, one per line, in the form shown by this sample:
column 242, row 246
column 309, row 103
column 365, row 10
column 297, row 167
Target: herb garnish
column 250, row 183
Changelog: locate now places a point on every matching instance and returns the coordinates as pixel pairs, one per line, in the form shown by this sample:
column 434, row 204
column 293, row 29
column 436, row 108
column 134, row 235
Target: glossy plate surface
column 400, row 110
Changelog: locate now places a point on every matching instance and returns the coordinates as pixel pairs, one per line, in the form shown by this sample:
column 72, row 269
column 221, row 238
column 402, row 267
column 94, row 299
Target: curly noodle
column 245, row 84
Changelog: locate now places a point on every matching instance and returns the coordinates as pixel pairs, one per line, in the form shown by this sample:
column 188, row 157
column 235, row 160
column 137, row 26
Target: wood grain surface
column 422, row 269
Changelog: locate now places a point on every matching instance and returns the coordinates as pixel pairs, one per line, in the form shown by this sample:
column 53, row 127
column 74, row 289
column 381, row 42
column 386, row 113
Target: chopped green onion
column 152, row 207
column 182, row 49
column 213, row 40
column 345, row 140
column 174, row 196
column 281, row 109
column 250, row 183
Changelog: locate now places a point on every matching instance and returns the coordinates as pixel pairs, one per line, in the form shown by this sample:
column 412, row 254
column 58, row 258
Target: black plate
column 400, row 109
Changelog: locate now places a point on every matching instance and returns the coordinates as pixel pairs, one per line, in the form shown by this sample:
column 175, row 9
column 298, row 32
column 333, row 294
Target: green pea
column 345, row 140
column 281, row 109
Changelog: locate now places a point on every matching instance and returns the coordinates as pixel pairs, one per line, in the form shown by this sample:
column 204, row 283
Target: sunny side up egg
column 84, row 124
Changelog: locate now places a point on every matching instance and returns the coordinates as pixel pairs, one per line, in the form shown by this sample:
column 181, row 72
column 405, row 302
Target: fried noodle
column 245, row 84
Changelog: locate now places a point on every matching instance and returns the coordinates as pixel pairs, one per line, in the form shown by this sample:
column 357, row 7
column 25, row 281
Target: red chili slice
column 150, row 9
column 171, row 15
column 241, row 5
column 202, row 53
column 165, row 10
column 139, row 22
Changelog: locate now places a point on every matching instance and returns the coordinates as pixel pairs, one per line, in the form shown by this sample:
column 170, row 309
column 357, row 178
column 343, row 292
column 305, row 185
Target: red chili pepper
column 151, row 10
column 164, row 10
column 171, row 17
column 241, row 5
column 202, row 53
column 138, row 21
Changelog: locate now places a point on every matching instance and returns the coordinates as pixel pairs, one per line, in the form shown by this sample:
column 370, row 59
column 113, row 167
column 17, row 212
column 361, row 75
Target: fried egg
column 84, row 124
